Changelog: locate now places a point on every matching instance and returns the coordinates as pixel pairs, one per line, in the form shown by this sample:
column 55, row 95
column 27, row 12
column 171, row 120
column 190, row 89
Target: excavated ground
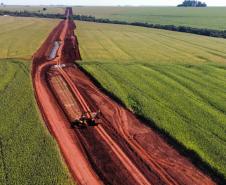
column 120, row 149
column 160, row 163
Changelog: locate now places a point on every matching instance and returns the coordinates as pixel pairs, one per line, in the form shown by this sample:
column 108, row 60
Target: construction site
column 100, row 141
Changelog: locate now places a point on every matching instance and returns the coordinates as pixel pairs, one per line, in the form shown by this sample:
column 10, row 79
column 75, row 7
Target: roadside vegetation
column 28, row 153
column 174, row 80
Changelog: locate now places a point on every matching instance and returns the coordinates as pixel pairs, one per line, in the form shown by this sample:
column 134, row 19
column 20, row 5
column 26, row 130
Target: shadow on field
column 189, row 154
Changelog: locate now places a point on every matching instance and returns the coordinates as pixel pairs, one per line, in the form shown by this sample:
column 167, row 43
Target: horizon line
column 106, row 5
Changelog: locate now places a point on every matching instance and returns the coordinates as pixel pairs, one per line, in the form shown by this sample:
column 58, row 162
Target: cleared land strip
column 87, row 149
column 128, row 164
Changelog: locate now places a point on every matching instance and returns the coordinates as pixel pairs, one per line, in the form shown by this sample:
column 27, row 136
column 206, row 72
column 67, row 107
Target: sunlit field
column 21, row 37
column 28, row 153
column 174, row 79
column 210, row 17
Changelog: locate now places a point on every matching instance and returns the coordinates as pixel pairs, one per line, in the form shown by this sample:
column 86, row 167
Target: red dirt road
column 120, row 149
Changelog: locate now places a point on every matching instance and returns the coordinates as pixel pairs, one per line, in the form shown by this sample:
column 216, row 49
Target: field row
column 21, row 37
column 127, row 44
column 28, row 154
column 184, row 100
column 175, row 80
column 211, row 17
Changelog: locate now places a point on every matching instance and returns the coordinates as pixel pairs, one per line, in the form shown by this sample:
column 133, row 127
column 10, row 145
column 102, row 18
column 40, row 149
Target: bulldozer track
column 115, row 148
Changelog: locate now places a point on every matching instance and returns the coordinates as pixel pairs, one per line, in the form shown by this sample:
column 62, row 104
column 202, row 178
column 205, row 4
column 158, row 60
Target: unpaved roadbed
column 120, row 149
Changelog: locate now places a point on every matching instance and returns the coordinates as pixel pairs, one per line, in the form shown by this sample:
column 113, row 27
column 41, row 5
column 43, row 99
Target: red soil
column 121, row 149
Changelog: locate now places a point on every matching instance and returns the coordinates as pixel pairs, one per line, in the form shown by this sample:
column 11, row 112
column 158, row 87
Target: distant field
column 175, row 79
column 21, row 37
column 37, row 9
column 28, row 154
column 211, row 17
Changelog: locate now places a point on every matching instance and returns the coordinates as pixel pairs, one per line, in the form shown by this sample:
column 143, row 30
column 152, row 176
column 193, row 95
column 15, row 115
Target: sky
column 108, row 2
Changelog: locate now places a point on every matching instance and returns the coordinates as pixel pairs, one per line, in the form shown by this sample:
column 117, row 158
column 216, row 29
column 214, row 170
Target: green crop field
column 21, row 37
column 211, row 17
column 174, row 79
column 28, row 154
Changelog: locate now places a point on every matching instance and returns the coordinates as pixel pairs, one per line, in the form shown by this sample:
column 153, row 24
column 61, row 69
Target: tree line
column 185, row 29
column 192, row 3
column 31, row 14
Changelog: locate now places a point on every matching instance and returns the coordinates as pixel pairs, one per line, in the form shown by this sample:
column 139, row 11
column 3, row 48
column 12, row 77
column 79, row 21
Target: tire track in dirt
column 137, row 175
column 170, row 166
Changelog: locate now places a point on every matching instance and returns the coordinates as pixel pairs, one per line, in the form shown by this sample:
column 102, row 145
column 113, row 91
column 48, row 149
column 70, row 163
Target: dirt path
column 120, row 149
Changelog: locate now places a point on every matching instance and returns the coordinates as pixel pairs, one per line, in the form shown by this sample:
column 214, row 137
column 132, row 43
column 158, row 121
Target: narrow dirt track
column 120, row 149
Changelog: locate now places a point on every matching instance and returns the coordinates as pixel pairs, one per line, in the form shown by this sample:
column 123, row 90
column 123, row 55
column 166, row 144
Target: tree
column 192, row 3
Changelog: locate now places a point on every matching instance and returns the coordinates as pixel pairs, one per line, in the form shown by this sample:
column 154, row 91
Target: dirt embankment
column 120, row 149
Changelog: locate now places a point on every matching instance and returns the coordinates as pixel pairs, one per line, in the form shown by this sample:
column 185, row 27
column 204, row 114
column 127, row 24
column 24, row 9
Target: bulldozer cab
column 85, row 121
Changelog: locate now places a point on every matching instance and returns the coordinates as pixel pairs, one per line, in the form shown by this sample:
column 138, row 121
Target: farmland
column 211, row 17
column 101, row 136
column 21, row 37
column 37, row 9
column 175, row 80
column 28, row 154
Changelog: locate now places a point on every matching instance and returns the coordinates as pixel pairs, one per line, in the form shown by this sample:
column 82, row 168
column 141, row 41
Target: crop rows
column 28, row 154
column 21, row 37
column 211, row 17
column 177, row 81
